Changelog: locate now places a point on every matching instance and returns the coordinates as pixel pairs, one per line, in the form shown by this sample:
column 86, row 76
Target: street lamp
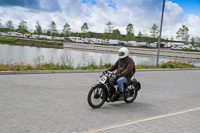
column 160, row 33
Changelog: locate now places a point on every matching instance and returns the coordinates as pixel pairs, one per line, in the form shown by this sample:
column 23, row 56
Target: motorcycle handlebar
column 109, row 72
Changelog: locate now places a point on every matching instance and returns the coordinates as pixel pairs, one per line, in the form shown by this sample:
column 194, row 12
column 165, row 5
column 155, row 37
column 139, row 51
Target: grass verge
column 93, row 66
column 27, row 42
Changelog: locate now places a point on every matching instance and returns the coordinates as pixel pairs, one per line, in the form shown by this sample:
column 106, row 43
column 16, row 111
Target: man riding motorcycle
column 124, row 66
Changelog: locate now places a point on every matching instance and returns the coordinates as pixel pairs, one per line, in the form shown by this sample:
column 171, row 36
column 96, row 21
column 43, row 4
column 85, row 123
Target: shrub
column 4, row 68
column 176, row 64
column 107, row 65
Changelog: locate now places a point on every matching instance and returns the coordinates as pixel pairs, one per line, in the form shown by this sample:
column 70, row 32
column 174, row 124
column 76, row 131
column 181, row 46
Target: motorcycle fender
column 139, row 86
column 136, row 84
column 99, row 84
column 94, row 85
column 103, row 86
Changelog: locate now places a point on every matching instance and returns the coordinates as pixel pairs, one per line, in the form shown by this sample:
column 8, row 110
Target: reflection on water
column 10, row 54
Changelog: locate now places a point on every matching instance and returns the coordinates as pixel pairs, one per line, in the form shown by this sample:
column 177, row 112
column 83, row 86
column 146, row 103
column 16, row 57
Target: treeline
column 118, row 37
column 110, row 32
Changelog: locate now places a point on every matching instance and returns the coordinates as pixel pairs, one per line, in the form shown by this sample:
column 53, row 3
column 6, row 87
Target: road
column 134, row 50
column 169, row 102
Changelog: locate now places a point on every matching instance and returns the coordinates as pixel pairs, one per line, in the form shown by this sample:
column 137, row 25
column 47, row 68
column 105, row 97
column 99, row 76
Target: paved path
column 169, row 102
column 134, row 50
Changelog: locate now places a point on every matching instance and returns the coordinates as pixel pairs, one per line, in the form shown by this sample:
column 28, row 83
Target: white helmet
column 123, row 52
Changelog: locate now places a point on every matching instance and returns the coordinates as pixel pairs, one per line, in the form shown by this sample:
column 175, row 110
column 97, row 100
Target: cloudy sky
column 96, row 13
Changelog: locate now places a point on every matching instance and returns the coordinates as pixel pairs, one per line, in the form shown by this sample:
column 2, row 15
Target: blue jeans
column 121, row 82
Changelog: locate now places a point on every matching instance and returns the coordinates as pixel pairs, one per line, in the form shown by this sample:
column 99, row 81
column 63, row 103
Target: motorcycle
column 107, row 90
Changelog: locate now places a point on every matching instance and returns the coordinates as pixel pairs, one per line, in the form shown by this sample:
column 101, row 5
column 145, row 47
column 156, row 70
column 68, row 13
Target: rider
column 124, row 66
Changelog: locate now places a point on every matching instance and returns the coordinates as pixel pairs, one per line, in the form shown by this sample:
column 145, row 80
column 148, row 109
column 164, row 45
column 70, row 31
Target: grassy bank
column 27, row 42
column 92, row 66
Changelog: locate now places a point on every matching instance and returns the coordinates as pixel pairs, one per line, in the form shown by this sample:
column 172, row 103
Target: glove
column 119, row 75
column 104, row 72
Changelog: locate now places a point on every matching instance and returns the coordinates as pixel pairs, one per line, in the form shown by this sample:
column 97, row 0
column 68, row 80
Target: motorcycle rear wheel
column 130, row 94
column 96, row 96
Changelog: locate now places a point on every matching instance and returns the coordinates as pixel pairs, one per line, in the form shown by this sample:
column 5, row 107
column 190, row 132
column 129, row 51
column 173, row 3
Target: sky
column 96, row 13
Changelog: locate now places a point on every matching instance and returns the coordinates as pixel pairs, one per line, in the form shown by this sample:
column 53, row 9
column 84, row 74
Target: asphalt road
column 169, row 102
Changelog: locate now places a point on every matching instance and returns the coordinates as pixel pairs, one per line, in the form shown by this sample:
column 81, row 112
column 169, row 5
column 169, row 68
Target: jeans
column 121, row 82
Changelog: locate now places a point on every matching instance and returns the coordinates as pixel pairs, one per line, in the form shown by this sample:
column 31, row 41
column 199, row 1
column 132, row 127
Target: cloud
column 41, row 5
column 49, row 5
column 173, row 18
column 141, row 13
column 23, row 3
column 193, row 23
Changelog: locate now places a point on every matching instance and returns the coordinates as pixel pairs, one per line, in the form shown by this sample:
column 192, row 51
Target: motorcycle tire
column 96, row 93
column 130, row 94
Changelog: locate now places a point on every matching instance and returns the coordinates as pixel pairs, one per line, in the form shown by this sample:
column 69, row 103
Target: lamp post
column 160, row 33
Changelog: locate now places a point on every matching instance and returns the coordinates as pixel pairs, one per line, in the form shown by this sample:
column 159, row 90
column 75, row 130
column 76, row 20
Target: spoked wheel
column 130, row 94
column 96, row 96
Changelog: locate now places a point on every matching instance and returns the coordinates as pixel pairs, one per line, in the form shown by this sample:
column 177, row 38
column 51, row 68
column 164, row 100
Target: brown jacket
column 122, row 67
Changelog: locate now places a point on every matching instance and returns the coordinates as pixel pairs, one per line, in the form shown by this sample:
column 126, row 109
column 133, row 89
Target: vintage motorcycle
column 107, row 90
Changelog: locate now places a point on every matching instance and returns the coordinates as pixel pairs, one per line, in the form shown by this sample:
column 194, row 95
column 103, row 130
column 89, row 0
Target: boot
column 121, row 96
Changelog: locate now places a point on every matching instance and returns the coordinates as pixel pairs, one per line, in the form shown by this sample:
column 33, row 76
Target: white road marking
column 143, row 120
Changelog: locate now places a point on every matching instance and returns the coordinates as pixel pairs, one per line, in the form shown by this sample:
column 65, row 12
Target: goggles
column 121, row 53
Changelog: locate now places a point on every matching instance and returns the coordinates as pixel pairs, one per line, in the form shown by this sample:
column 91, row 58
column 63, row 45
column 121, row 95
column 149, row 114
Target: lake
column 10, row 54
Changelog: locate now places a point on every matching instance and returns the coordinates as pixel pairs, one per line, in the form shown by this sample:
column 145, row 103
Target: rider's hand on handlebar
column 104, row 72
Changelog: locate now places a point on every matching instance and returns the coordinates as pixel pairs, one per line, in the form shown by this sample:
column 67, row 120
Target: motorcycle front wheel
column 130, row 94
column 96, row 96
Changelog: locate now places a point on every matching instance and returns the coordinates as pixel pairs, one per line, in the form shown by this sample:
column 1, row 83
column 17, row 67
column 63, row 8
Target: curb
column 82, row 71
column 47, row 71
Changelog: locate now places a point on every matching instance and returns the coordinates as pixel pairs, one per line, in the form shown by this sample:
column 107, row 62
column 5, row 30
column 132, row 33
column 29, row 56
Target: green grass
column 21, row 41
column 8, row 40
column 51, row 66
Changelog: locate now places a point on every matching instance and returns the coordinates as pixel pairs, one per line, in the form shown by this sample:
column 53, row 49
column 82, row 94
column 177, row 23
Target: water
column 10, row 54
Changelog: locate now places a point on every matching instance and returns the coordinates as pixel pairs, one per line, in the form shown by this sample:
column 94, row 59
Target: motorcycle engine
column 114, row 97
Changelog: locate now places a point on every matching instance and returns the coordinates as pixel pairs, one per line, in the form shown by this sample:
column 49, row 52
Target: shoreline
column 31, row 42
column 40, row 45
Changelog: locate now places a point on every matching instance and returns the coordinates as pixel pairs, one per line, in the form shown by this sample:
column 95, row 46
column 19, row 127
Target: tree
column 129, row 28
column 182, row 33
column 52, row 28
column 197, row 39
column 38, row 28
column 116, row 34
column 154, row 30
column 84, row 28
column 1, row 26
column 22, row 28
column 140, row 34
column 129, row 32
column 66, row 29
column 167, row 39
column 48, row 33
column 109, row 27
column 88, row 34
column 9, row 25
column 172, row 39
column 129, row 36
column 193, row 41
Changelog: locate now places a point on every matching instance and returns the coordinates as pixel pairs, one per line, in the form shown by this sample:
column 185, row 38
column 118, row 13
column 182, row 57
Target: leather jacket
column 124, row 66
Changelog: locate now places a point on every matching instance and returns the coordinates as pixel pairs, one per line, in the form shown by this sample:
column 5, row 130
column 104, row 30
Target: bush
column 4, row 68
column 176, row 64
